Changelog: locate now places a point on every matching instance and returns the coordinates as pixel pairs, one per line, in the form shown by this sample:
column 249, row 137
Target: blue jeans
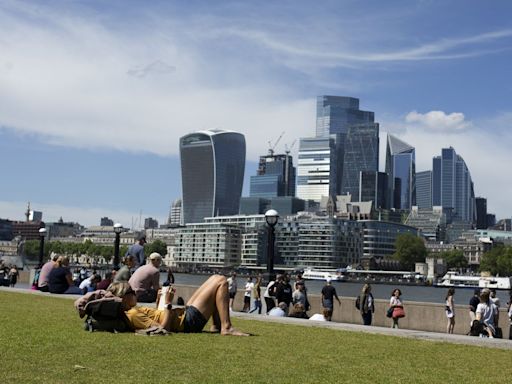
column 257, row 306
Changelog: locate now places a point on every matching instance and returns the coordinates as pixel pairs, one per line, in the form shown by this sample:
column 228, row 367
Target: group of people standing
column 8, row 274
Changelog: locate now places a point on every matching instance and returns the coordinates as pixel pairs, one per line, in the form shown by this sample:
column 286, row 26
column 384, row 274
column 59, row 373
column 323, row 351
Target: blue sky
column 95, row 95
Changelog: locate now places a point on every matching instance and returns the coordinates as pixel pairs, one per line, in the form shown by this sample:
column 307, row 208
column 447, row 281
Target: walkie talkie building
column 212, row 173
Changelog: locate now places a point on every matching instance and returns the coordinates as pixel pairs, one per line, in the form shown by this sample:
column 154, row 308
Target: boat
column 311, row 274
column 453, row 279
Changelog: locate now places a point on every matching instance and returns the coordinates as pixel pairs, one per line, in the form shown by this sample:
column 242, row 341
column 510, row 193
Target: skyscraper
column 275, row 177
column 481, row 212
column 175, row 214
column 361, row 154
column 316, row 177
column 453, row 185
column 401, row 168
column 373, row 186
column 424, row 189
column 212, row 173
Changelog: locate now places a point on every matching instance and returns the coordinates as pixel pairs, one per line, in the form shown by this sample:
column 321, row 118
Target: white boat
column 311, row 274
column 453, row 279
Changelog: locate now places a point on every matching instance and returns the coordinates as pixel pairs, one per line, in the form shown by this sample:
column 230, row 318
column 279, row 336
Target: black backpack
column 358, row 302
column 106, row 314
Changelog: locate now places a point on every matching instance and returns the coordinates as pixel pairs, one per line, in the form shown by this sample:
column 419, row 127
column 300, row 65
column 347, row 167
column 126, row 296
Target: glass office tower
column 361, row 154
column 275, row 177
column 212, row 174
column 424, row 190
column 400, row 166
column 453, row 185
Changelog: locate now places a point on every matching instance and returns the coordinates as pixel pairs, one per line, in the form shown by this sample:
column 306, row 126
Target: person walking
column 249, row 286
column 137, row 250
column 473, row 303
column 328, row 296
column 366, row 304
column 13, row 276
column 450, row 310
column 232, row 288
column 269, row 294
column 257, row 296
column 396, row 307
column 284, row 291
column 487, row 312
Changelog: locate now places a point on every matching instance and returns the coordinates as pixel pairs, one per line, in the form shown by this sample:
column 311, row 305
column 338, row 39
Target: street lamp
column 42, row 234
column 271, row 217
column 118, row 228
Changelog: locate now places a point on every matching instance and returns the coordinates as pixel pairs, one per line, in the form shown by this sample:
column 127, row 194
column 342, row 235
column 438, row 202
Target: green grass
column 43, row 340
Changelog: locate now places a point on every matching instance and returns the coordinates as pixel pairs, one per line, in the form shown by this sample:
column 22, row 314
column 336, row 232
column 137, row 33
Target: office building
column 175, row 214
column 453, row 186
column 481, row 212
column 212, row 172
column 401, row 168
column 424, row 190
column 361, row 154
column 150, row 223
column 373, row 186
column 316, row 177
column 106, row 222
column 275, row 177
column 35, row 216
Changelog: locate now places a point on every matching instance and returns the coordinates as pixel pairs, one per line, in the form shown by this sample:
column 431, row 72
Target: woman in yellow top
column 210, row 300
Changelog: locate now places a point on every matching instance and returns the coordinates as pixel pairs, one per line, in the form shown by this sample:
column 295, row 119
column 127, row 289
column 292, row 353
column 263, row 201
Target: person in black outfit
column 328, row 294
column 284, row 290
column 473, row 303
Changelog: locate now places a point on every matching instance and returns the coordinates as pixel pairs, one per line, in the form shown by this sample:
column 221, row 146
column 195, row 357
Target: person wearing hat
column 328, row 295
column 145, row 281
column 137, row 250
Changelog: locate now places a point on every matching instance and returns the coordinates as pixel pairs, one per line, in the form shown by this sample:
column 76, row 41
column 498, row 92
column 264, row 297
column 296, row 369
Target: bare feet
column 214, row 329
column 233, row 332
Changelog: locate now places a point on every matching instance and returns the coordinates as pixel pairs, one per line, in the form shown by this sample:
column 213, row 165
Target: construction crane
column 287, row 149
column 272, row 147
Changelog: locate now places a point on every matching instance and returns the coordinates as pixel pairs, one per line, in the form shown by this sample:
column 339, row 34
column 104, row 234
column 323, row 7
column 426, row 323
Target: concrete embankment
column 429, row 317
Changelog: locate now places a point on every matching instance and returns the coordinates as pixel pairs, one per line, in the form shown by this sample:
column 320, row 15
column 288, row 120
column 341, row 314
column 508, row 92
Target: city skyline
column 94, row 96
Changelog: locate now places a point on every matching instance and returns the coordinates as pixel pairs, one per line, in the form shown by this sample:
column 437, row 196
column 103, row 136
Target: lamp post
column 118, row 228
column 271, row 217
column 42, row 234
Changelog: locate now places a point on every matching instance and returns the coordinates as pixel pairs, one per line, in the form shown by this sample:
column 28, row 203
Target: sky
column 94, row 95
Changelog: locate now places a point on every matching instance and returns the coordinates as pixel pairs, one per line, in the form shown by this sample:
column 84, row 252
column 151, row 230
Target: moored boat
column 453, row 279
column 311, row 274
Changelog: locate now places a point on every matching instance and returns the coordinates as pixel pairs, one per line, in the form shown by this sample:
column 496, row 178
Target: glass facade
column 424, row 190
column 212, row 171
column 401, row 168
column 361, row 154
column 275, row 177
column 373, row 186
column 453, row 185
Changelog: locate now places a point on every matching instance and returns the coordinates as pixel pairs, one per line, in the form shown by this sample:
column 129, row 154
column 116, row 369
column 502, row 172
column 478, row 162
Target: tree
column 454, row 259
column 156, row 246
column 497, row 261
column 409, row 249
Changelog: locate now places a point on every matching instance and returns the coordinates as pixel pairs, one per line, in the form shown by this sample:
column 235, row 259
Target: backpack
column 106, row 314
column 358, row 302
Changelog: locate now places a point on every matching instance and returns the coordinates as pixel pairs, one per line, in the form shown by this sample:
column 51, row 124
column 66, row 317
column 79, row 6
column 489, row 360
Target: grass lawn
column 43, row 341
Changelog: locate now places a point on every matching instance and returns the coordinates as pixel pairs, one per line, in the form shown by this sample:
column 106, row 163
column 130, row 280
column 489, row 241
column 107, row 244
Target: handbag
column 398, row 312
column 389, row 312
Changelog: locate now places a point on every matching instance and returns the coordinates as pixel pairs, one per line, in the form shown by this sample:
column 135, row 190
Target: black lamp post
column 271, row 217
column 118, row 228
column 42, row 234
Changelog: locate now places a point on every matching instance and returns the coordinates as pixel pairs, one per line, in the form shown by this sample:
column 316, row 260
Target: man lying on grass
column 210, row 300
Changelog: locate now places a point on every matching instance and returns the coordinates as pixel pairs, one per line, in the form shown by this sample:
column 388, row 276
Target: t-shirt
column 86, row 284
column 328, row 291
column 144, row 317
column 473, row 302
column 267, row 290
column 232, row 287
column 248, row 289
column 487, row 312
column 284, row 293
column 44, row 275
column 276, row 311
column 395, row 301
column 317, row 317
column 145, row 278
column 137, row 250
column 299, row 297
column 123, row 274
column 57, row 282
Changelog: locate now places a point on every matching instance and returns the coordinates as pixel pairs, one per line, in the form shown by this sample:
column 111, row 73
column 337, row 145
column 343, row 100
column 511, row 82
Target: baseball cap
column 328, row 280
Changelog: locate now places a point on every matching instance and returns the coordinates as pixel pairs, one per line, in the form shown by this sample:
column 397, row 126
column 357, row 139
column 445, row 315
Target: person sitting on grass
column 298, row 311
column 326, row 315
column 210, row 300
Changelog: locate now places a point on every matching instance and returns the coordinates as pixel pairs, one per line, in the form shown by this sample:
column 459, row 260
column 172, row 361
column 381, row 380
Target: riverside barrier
column 420, row 316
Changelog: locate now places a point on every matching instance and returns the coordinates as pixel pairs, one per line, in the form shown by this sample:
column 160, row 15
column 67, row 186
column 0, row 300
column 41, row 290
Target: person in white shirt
column 280, row 311
column 486, row 313
column 249, row 286
column 324, row 316
column 89, row 284
column 232, row 288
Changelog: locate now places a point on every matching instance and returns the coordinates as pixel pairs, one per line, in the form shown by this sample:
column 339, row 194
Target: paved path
column 407, row 333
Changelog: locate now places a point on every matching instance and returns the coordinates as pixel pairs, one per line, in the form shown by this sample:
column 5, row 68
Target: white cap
column 328, row 280
column 154, row 256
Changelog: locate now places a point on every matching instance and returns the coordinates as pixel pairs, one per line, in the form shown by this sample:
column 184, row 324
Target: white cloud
column 439, row 121
column 14, row 210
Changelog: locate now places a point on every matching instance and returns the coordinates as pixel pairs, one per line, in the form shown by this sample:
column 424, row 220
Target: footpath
column 407, row 333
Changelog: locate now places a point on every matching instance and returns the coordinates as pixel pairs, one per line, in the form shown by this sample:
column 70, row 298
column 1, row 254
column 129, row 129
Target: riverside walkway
column 406, row 333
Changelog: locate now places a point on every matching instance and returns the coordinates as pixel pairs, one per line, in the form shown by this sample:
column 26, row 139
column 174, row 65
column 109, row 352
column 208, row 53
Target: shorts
column 232, row 295
column 194, row 320
column 328, row 304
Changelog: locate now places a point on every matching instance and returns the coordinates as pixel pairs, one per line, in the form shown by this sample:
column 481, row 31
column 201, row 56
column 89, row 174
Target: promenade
column 340, row 326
